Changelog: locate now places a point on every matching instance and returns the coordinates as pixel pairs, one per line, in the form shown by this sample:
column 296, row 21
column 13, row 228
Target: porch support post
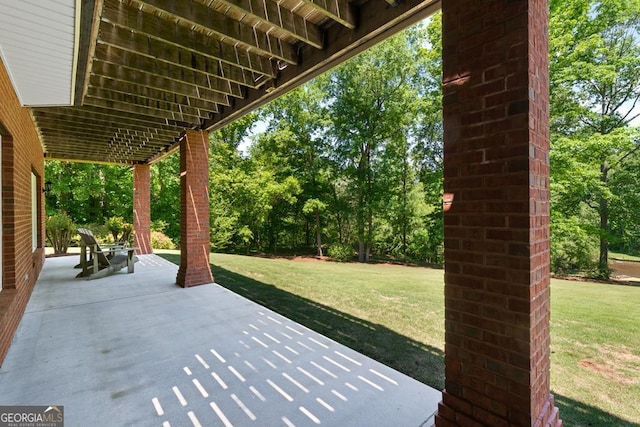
column 142, row 209
column 496, row 183
column 194, row 215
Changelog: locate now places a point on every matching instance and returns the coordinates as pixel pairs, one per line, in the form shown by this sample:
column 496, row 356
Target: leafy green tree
column 625, row 206
column 245, row 193
column 89, row 193
column 595, row 88
column 427, row 132
column 165, row 195
column 371, row 103
column 295, row 143
column 315, row 207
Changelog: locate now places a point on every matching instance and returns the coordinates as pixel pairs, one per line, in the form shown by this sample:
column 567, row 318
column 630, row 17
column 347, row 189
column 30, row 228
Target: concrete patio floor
column 137, row 350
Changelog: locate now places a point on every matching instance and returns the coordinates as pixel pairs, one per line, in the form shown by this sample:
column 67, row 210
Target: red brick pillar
column 142, row 209
column 496, row 168
column 194, row 215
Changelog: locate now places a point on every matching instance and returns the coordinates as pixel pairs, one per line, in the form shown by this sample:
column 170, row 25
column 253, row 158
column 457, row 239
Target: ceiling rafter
column 338, row 10
column 138, row 108
column 52, row 129
column 269, row 13
column 155, row 27
column 97, row 144
column 125, row 74
column 143, row 63
column 151, row 69
column 120, row 117
column 116, row 86
column 113, row 143
column 214, row 24
column 176, row 55
column 81, row 121
column 146, row 101
column 88, row 145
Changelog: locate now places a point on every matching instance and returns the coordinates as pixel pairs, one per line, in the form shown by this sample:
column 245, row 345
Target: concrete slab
column 135, row 349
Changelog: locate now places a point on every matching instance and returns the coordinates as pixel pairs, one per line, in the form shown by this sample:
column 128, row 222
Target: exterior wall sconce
column 447, row 201
column 47, row 188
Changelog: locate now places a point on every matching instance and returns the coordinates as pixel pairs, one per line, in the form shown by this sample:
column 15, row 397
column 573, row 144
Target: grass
column 622, row 256
column 395, row 314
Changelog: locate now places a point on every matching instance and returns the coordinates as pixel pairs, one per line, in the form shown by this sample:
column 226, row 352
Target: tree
column 245, row 192
column 315, row 207
column 165, row 194
column 427, row 132
column 295, row 143
column 89, row 193
column 595, row 89
column 371, row 102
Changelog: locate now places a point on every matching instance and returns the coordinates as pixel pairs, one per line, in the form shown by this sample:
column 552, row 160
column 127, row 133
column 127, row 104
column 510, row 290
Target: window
column 1, row 210
column 34, row 211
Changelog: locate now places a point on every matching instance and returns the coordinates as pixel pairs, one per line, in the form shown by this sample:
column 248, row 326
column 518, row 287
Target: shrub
column 100, row 231
column 340, row 252
column 159, row 225
column 60, row 229
column 119, row 229
column 159, row 240
column 573, row 248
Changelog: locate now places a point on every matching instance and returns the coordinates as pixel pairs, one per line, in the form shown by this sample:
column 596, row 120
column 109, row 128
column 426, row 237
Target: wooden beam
column 88, row 144
column 338, row 10
column 212, row 23
column 102, row 151
column 97, row 158
column 107, row 83
column 270, row 13
column 175, row 55
column 151, row 109
column 91, row 112
column 133, row 60
column 59, row 158
column 87, row 10
column 135, row 77
column 167, row 32
column 96, row 123
column 144, row 101
column 53, row 129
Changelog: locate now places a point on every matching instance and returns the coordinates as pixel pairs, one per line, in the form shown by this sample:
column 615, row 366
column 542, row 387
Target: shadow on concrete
column 415, row 359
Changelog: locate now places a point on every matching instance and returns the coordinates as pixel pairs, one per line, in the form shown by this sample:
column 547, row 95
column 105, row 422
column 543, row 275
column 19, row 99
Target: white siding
column 37, row 47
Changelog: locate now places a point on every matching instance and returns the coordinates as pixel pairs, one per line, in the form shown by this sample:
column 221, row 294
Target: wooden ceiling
column 150, row 69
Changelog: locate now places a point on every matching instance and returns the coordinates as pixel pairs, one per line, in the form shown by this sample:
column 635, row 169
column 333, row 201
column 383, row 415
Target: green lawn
column 395, row 314
column 625, row 257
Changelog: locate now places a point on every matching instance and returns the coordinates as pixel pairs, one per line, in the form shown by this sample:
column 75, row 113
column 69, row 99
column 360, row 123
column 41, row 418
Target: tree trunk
column 404, row 208
column 603, row 262
column 360, row 217
column 318, row 233
column 337, row 214
column 367, row 256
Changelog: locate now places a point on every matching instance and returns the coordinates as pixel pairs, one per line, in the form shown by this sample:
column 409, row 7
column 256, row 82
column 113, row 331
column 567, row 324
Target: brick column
column 194, row 215
column 142, row 209
column 496, row 167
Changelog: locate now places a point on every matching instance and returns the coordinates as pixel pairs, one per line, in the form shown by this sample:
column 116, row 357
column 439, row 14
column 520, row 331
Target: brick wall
column 142, row 209
column 22, row 154
column 496, row 168
column 194, row 210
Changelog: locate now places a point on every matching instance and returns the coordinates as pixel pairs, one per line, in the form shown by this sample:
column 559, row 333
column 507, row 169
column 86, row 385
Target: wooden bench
column 97, row 262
